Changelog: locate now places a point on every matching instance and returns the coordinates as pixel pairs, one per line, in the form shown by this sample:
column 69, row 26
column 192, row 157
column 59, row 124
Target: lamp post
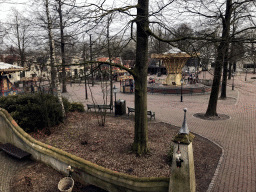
column 115, row 90
column 181, row 97
column 233, row 75
column 245, row 74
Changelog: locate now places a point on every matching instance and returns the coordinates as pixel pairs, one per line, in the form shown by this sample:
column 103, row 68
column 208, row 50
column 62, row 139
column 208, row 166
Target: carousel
column 174, row 83
column 174, row 60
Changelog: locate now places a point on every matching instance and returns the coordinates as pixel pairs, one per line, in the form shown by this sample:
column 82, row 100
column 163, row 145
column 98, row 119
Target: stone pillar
column 182, row 170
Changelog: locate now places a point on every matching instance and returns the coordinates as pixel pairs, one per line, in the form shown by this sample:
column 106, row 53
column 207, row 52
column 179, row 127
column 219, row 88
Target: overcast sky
column 7, row 5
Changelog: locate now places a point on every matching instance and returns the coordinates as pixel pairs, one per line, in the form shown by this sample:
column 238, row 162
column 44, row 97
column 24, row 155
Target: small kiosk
column 30, row 84
column 6, row 87
column 127, row 84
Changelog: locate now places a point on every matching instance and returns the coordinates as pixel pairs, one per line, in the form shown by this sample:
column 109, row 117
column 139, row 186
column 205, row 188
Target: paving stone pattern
column 8, row 168
column 236, row 135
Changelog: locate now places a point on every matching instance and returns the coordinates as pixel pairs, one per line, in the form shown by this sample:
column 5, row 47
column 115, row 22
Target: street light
column 245, row 74
column 233, row 75
column 115, row 91
column 181, row 97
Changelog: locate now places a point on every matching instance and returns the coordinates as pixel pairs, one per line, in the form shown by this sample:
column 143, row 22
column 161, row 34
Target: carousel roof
column 172, row 53
column 8, row 68
column 174, row 50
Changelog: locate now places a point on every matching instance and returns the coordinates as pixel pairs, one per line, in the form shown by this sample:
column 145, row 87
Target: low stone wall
column 84, row 171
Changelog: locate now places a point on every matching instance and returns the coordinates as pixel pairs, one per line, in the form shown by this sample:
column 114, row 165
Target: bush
column 67, row 104
column 170, row 154
column 34, row 111
column 75, row 106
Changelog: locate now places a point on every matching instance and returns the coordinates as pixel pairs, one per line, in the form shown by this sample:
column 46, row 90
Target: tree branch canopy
column 102, row 63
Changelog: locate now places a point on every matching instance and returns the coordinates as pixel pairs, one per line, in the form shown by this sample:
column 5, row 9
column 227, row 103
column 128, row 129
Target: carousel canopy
column 172, row 53
column 174, row 50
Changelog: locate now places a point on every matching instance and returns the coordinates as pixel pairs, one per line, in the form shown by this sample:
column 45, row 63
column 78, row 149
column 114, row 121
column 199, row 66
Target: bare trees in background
column 217, row 14
column 221, row 15
column 21, row 35
column 54, row 72
column 215, row 33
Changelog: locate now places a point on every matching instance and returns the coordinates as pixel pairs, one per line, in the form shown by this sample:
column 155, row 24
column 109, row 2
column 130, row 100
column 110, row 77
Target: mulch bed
column 109, row 146
column 212, row 118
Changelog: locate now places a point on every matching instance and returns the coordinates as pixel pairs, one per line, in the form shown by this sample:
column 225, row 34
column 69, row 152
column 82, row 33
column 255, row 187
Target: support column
column 182, row 170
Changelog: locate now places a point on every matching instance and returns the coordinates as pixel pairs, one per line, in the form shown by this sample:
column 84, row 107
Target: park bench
column 105, row 107
column 92, row 106
column 130, row 110
column 99, row 107
column 150, row 113
column 14, row 151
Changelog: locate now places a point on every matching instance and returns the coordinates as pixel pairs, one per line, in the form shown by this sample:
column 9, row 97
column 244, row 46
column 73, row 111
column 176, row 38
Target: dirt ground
column 110, row 146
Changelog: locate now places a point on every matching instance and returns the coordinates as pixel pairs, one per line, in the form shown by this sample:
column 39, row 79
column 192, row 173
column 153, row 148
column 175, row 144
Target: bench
column 150, row 113
column 92, row 106
column 14, row 151
column 106, row 107
column 130, row 110
column 99, row 107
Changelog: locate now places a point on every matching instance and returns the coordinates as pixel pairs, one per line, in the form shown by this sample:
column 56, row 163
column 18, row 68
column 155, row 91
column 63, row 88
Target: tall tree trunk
column 230, row 71
column 140, row 145
column 253, row 58
column 212, row 105
column 221, row 53
column 91, row 60
column 224, row 77
column 21, row 49
column 49, row 27
column 110, row 67
column 54, row 81
column 62, row 46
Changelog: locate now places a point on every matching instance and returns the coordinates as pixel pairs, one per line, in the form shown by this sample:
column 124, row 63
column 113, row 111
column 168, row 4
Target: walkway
column 236, row 135
column 8, row 167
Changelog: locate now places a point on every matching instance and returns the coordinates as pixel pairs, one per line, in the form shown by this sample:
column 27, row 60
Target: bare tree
column 143, row 31
column 62, row 46
column 21, row 35
column 54, row 74
column 220, row 15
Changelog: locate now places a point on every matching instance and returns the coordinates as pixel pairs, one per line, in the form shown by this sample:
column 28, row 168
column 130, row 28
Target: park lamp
column 181, row 96
column 233, row 76
column 245, row 74
column 115, row 91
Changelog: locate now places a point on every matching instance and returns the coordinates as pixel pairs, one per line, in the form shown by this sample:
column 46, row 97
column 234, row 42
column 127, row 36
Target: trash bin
column 66, row 184
column 120, row 107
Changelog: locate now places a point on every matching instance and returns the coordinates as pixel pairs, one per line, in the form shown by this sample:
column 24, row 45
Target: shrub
column 75, row 106
column 170, row 154
column 34, row 111
column 67, row 104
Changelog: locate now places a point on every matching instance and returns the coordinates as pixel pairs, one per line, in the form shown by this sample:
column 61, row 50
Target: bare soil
column 110, row 146
column 212, row 118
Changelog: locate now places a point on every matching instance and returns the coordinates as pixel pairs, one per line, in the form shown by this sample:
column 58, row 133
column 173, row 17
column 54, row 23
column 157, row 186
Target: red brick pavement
column 236, row 136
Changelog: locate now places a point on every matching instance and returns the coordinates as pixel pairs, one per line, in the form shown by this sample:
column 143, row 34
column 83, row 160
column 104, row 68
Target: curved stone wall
column 84, row 171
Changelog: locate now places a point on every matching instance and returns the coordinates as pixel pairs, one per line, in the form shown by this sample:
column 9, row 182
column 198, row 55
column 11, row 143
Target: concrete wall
column 84, row 171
